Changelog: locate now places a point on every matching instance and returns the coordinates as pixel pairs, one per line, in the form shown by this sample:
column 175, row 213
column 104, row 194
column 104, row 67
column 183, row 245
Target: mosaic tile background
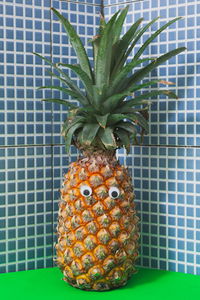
column 166, row 170
column 30, row 172
column 26, row 208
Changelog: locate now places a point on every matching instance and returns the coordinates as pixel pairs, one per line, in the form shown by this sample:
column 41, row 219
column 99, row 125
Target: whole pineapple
column 97, row 223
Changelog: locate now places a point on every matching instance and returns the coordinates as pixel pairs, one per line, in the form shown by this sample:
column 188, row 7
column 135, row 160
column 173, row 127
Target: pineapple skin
column 97, row 235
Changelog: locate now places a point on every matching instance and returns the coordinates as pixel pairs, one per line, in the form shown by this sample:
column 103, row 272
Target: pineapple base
column 97, row 234
column 118, row 278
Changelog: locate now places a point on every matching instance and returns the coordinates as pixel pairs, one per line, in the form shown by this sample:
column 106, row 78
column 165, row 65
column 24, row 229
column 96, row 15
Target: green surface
column 146, row 284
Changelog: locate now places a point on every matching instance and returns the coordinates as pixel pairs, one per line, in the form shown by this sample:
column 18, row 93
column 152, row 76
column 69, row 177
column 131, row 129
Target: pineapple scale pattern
column 97, row 235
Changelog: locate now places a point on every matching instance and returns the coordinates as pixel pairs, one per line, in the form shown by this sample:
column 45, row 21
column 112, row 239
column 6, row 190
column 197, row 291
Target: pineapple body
column 97, row 232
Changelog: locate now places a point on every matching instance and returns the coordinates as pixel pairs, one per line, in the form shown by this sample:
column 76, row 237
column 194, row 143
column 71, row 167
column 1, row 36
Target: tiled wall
column 31, row 165
column 166, row 169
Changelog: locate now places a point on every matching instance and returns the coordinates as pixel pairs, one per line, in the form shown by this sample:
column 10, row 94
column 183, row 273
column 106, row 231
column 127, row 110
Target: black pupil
column 86, row 192
column 114, row 194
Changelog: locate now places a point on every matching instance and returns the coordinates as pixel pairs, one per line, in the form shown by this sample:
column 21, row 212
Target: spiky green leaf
column 130, row 110
column 102, row 24
column 118, row 80
column 98, row 97
column 83, row 77
column 77, row 93
column 61, row 89
column 139, row 119
column 129, row 35
column 124, row 109
column 76, row 43
column 112, row 102
column 144, row 85
column 68, row 124
column 107, row 138
column 79, row 137
column 70, row 133
column 132, row 102
column 140, row 74
column 119, row 23
column 135, row 117
column 124, row 138
column 60, row 101
column 95, row 46
column 128, row 126
column 102, row 119
column 89, row 133
column 103, row 60
column 138, row 36
column 66, row 79
column 120, row 48
column 115, row 118
column 153, row 36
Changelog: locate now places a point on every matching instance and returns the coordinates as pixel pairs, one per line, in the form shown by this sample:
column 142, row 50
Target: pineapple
column 97, row 223
column 97, row 227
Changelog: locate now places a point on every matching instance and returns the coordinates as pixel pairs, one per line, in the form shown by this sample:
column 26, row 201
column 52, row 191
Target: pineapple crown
column 111, row 109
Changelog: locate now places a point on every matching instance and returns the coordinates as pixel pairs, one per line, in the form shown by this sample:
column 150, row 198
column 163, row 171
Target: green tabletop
column 146, row 284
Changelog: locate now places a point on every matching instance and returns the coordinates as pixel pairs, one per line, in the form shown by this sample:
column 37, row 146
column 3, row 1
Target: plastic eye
column 86, row 191
column 114, row 192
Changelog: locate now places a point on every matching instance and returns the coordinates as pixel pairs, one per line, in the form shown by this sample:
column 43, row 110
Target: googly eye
column 114, row 192
column 86, row 190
